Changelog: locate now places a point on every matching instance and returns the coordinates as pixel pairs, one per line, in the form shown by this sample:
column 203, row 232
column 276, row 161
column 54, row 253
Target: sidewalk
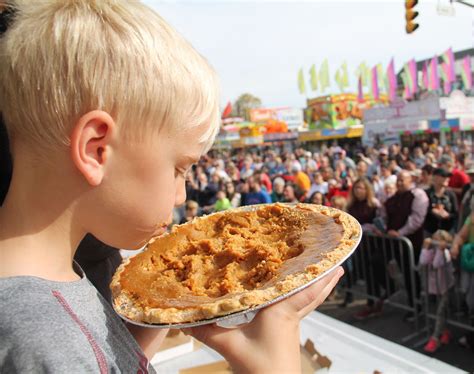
column 390, row 326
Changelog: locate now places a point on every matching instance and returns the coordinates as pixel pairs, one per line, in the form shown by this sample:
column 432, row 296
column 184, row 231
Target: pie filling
column 227, row 254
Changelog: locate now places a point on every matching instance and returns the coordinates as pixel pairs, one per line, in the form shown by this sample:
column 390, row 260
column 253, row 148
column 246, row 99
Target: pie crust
column 230, row 261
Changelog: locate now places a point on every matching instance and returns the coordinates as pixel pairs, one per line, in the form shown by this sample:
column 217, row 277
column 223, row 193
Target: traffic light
column 410, row 15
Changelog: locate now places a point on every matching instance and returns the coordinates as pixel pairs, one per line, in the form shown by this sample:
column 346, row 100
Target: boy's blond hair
column 60, row 59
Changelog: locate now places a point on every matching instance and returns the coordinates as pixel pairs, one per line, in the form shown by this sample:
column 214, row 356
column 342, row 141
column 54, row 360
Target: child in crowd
column 107, row 108
column 339, row 202
column 317, row 198
column 435, row 259
column 191, row 211
column 222, row 202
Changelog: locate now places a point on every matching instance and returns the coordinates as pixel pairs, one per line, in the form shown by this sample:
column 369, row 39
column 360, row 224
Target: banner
column 375, row 83
column 433, row 76
column 392, row 81
column 324, row 80
column 448, row 58
column 301, row 85
column 313, row 78
column 466, row 72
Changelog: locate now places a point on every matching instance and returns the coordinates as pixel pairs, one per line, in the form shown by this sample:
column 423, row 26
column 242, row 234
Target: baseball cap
column 383, row 151
column 441, row 172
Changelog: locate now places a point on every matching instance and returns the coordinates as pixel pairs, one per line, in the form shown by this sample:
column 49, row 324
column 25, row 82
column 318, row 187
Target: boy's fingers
column 214, row 336
column 307, row 300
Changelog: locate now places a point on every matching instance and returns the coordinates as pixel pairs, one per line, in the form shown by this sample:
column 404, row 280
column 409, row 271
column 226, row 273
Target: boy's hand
column 426, row 243
column 271, row 342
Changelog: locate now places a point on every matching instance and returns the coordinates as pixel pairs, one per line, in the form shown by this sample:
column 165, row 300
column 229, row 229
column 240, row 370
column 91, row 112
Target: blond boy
column 106, row 107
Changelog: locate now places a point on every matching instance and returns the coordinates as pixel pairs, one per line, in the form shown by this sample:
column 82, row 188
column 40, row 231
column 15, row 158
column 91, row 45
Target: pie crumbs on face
column 230, row 261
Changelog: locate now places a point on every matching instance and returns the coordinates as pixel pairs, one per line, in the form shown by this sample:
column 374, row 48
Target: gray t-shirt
column 63, row 327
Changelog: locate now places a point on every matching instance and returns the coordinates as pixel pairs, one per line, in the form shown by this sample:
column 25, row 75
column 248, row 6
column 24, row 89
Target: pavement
column 391, row 326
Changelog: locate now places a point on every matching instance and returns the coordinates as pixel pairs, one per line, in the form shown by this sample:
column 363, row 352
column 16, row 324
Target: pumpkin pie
column 230, row 261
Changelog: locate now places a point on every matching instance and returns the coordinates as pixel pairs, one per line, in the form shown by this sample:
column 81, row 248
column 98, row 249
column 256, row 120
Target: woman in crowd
column 364, row 206
column 232, row 194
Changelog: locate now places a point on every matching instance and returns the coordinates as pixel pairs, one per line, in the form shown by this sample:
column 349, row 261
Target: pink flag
column 392, row 81
column 425, row 76
column 375, row 83
column 447, row 87
column 360, row 92
column 448, row 58
column 446, row 78
column 413, row 75
column 434, row 77
column 466, row 72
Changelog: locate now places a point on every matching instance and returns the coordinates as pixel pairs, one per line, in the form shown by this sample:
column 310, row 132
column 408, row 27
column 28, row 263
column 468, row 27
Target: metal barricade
column 387, row 265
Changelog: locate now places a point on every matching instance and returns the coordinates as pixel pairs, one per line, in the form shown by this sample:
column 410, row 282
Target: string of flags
column 432, row 76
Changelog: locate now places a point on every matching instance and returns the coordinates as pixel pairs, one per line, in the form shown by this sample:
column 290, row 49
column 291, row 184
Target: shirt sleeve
column 419, row 209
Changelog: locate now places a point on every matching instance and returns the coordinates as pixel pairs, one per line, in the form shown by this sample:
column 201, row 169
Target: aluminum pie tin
column 245, row 316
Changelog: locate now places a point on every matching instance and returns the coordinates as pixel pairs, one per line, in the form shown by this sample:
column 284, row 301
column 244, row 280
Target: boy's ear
column 91, row 144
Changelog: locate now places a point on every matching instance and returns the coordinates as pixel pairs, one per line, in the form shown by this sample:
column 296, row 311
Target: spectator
column 317, row 198
column 389, row 189
column 289, row 194
column 233, row 172
column 458, row 178
column 362, row 169
column 342, row 156
column 319, row 184
column 255, row 195
column 405, row 214
column 232, row 195
column 310, row 164
column 362, row 203
column 363, row 206
column 339, row 202
column 247, row 168
column 222, row 202
column 302, row 181
column 278, row 187
column 426, row 176
column 419, row 158
column 435, row 260
column 264, row 179
column 190, row 212
column 443, row 206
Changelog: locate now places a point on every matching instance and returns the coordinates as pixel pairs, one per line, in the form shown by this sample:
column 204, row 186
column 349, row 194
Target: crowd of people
column 424, row 193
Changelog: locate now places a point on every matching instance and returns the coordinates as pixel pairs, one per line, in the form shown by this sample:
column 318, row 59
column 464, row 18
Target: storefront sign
column 293, row 117
column 272, row 137
column 438, row 125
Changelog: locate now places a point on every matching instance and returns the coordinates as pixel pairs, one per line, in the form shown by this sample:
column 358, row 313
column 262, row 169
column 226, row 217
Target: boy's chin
column 142, row 243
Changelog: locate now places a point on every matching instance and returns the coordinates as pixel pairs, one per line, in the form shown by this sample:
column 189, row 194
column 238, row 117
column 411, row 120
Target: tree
column 245, row 102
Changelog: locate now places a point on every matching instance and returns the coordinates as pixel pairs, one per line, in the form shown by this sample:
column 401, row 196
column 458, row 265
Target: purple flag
column 375, row 83
column 360, row 92
column 392, row 81
column 434, row 77
column 448, row 58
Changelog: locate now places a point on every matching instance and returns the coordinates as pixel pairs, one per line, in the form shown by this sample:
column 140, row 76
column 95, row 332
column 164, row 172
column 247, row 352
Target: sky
column 258, row 47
